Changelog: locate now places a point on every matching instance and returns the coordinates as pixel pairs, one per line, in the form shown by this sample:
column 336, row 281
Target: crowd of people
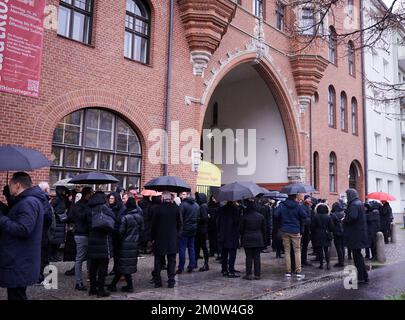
column 97, row 228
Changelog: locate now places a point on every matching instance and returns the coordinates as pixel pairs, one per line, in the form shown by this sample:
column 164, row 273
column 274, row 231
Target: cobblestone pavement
column 212, row 285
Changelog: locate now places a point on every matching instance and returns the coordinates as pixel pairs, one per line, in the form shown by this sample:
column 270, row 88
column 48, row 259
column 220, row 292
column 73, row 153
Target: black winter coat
column 228, row 221
column 48, row 215
column 213, row 208
column 78, row 215
column 202, row 228
column 100, row 241
column 145, row 205
column 131, row 227
column 253, row 229
column 337, row 217
column 60, row 206
column 373, row 225
column 386, row 217
column 267, row 214
column 165, row 229
column 322, row 230
column 355, row 225
column 190, row 212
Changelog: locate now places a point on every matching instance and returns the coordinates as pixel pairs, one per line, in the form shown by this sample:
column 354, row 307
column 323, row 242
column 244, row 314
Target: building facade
column 104, row 92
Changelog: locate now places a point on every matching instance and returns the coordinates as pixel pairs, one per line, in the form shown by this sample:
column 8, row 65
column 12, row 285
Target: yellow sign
column 208, row 175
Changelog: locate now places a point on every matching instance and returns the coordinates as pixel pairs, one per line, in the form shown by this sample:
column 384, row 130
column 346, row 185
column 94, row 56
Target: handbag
column 101, row 221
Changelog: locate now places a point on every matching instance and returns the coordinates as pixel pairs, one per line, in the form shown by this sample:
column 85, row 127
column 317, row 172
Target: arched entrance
column 356, row 177
column 94, row 139
column 245, row 99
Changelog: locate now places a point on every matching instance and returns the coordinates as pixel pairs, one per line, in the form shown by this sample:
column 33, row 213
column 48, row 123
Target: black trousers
column 17, row 294
column 228, row 260
column 53, row 250
column 128, row 279
column 323, row 253
column 98, row 273
column 349, row 253
column 44, row 260
column 171, row 268
column 201, row 243
column 386, row 233
column 213, row 242
column 358, row 259
column 340, row 249
column 304, row 248
column 253, row 258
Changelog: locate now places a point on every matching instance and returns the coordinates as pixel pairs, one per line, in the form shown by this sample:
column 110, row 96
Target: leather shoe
column 81, row 287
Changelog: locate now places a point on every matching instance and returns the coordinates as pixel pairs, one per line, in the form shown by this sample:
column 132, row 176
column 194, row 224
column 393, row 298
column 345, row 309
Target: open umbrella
column 17, row 158
column 168, row 183
column 93, row 178
column 382, row 196
column 269, row 194
column 64, row 183
column 238, row 191
column 296, row 188
column 150, row 193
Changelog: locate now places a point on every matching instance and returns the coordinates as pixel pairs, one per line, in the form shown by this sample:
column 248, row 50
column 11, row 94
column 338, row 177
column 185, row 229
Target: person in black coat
column 20, row 237
column 386, row 218
column 322, row 233
column 306, row 230
column 100, row 249
column 144, row 240
column 355, row 232
column 131, row 227
column 60, row 206
column 165, row 230
column 337, row 216
column 277, row 241
column 213, row 207
column 263, row 206
column 253, row 231
column 202, row 231
column 373, row 226
column 228, row 237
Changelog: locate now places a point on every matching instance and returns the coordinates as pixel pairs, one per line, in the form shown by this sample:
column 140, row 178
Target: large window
column 75, row 19
column 331, row 107
column 351, row 58
column 354, row 117
column 316, row 170
column 280, row 16
column 343, row 111
column 307, row 21
column 332, row 46
column 96, row 140
column 332, row 172
column 258, row 6
column 137, row 30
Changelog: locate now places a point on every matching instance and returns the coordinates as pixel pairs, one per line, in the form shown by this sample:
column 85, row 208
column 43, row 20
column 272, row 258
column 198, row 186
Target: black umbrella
column 270, row 194
column 17, row 158
column 296, row 188
column 93, row 178
column 168, row 183
column 238, row 191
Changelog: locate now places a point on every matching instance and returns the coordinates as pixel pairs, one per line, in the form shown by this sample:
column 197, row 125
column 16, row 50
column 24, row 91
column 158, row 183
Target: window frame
column 351, row 59
column 280, row 15
column 343, row 112
column 354, row 112
column 333, row 46
column 258, row 8
column 332, row 172
column 331, row 107
column 303, row 29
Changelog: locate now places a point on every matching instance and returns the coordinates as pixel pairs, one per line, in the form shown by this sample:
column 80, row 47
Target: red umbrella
column 382, row 196
column 150, row 193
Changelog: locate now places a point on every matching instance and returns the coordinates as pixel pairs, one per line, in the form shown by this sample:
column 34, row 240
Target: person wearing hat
column 322, row 233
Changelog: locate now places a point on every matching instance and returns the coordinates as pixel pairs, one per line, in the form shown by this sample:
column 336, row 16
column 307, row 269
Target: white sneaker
column 300, row 276
column 288, row 275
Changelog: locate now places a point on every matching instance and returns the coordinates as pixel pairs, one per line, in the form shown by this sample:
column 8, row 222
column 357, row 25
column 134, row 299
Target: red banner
column 21, row 39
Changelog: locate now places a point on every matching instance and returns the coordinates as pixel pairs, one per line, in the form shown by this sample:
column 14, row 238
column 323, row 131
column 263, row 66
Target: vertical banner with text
column 21, row 40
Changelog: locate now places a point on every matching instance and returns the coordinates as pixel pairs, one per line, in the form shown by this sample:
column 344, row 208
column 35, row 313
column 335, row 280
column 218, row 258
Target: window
column 351, row 58
column 390, row 185
column 354, row 117
column 75, row 19
column 332, row 46
column 258, row 8
column 280, row 13
column 389, row 148
column 376, row 102
column 331, row 107
column 374, row 59
column 316, row 170
column 378, row 184
column 137, row 29
column 343, row 111
column 307, row 21
column 332, row 172
column 385, row 69
column 95, row 139
column 377, row 144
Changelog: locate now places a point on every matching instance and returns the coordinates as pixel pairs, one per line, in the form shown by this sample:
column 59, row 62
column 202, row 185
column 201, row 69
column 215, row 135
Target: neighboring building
column 384, row 63
column 103, row 91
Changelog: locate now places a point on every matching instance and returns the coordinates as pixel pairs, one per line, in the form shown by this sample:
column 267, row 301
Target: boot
column 205, row 267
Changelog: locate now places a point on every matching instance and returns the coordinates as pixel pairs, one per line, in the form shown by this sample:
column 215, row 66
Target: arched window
column 332, row 45
column 331, row 107
column 332, row 172
column 96, row 140
column 316, row 170
column 343, row 111
column 351, row 58
column 137, row 30
column 355, row 125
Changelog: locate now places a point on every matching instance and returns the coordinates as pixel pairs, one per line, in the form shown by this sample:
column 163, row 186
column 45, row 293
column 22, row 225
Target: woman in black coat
column 202, row 231
column 276, row 237
column 386, row 218
column 100, row 249
column 213, row 207
column 130, row 229
column 337, row 216
column 373, row 226
column 253, row 231
column 322, row 233
column 117, row 206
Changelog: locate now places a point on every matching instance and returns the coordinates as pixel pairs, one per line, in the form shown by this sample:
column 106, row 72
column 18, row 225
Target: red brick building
column 104, row 86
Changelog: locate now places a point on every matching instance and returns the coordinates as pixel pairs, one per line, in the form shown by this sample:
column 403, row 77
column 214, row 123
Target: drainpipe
column 363, row 75
column 310, row 144
column 168, row 88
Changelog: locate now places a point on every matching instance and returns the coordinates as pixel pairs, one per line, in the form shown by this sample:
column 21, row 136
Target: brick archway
column 279, row 90
column 358, row 179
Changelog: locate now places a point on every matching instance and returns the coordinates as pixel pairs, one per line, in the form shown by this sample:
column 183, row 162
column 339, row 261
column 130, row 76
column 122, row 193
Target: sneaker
column 300, row 276
column 288, row 274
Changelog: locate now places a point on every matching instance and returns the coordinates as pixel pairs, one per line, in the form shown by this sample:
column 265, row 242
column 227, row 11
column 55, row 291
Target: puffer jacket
column 189, row 212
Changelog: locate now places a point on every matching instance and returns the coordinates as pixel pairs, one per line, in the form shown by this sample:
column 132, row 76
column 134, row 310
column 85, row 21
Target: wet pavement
column 211, row 285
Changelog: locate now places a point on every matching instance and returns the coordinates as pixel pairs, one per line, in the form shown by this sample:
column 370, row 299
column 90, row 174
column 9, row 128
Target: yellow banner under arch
column 208, row 175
